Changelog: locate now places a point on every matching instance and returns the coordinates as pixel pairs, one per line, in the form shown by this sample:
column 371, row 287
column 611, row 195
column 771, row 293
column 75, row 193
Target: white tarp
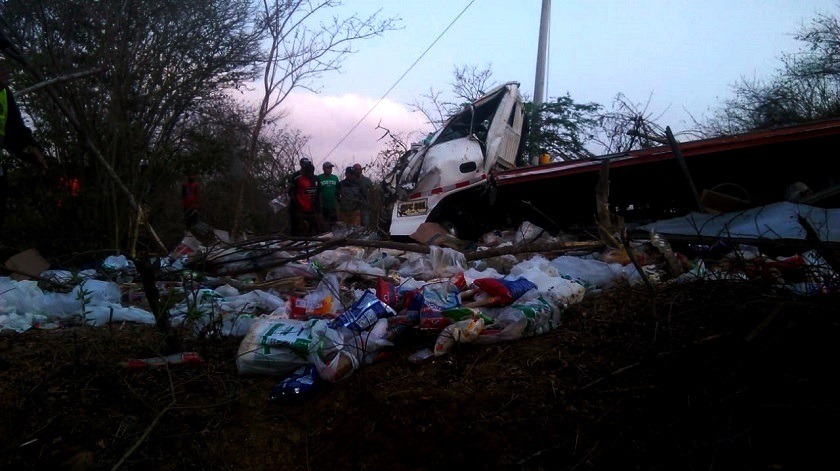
column 775, row 221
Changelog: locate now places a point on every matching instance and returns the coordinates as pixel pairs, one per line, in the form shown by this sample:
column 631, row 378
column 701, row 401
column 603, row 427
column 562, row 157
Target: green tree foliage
column 561, row 127
column 805, row 88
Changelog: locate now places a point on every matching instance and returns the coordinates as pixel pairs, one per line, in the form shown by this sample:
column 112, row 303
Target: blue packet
column 296, row 387
column 364, row 313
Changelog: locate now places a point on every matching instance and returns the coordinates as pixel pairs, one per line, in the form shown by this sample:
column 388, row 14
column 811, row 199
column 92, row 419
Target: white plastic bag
column 446, row 261
column 465, row 331
column 527, row 233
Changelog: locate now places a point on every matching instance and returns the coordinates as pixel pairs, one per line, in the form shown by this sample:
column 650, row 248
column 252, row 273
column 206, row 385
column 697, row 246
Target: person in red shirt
column 189, row 200
column 307, row 201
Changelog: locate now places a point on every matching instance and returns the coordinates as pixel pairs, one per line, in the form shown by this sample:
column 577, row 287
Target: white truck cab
column 440, row 180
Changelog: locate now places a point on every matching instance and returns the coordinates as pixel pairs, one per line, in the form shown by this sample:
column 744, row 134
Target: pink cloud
column 327, row 119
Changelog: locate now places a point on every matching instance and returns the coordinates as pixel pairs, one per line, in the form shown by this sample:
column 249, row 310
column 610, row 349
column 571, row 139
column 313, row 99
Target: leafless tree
column 630, row 126
column 469, row 84
column 300, row 47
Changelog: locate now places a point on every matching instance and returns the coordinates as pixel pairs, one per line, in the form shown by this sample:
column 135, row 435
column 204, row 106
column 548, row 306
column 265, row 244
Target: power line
column 398, row 80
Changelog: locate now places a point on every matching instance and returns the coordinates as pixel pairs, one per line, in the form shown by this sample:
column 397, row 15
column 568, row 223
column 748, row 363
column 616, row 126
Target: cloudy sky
column 682, row 55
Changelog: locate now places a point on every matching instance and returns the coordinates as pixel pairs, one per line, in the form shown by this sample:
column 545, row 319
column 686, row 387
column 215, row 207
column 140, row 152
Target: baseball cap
column 328, row 164
column 305, row 160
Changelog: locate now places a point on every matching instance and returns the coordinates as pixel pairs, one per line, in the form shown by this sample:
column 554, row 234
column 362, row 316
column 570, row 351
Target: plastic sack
column 364, row 313
column 591, row 273
column 255, row 357
column 301, row 337
column 102, row 314
column 359, row 267
column 520, row 320
column 416, row 265
column 322, row 301
column 551, row 285
column 356, row 349
column 117, row 263
column 527, row 233
column 428, row 304
column 504, row 291
column 446, row 261
column 279, row 202
column 464, row 331
column 96, row 291
column 383, row 259
column 340, row 365
column 20, row 322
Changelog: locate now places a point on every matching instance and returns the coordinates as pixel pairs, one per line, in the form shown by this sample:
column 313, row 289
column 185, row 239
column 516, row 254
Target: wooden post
column 680, row 160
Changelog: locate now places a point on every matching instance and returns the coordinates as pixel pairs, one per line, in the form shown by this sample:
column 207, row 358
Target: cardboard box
column 29, row 262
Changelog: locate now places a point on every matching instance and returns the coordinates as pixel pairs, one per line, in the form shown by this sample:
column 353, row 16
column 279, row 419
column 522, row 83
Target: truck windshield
column 476, row 118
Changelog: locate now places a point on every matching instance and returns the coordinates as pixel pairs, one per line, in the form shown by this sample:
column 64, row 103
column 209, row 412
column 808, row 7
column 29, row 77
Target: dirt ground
column 700, row 376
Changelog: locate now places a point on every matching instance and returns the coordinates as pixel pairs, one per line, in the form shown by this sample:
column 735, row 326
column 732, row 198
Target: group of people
column 318, row 202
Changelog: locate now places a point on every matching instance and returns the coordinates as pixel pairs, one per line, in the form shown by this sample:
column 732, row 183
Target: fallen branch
column 764, row 324
column 533, row 248
column 830, row 256
column 63, row 78
column 415, row 248
column 144, row 436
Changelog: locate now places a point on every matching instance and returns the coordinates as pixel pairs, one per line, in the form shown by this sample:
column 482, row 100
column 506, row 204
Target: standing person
column 351, row 197
column 15, row 137
column 189, row 200
column 327, row 183
column 367, row 186
column 294, row 219
column 308, row 202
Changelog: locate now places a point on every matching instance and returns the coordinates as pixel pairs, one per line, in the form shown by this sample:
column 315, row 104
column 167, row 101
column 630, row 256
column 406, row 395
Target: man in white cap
column 328, row 183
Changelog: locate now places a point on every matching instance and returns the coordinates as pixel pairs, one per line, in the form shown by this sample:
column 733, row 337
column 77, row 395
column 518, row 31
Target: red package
column 459, row 281
column 505, row 291
column 298, row 308
column 386, row 292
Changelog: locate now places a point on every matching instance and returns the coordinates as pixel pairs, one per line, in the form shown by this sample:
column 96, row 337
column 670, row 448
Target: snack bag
column 503, row 292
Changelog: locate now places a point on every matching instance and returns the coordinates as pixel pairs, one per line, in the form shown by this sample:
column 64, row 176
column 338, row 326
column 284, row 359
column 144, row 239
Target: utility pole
column 542, row 51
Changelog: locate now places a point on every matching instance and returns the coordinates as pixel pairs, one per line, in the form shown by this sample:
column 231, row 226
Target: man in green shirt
column 328, row 182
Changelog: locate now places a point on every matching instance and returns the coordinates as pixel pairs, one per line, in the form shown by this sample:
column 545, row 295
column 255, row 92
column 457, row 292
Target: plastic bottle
column 421, row 356
column 184, row 358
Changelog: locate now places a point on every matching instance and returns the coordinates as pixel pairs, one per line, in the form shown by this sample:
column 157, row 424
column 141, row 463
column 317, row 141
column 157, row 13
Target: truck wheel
column 450, row 227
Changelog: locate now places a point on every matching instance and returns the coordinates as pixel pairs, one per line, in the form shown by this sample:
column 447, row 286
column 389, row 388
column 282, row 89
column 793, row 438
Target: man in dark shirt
column 16, row 138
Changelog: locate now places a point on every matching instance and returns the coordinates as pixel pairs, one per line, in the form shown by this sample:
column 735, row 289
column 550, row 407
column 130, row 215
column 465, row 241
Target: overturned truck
column 472, row 175
column 445, row 179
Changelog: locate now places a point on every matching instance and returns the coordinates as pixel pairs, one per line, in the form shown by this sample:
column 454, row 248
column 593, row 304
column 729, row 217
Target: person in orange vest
column 70, row 187
column 15, row 137
column 189, row 200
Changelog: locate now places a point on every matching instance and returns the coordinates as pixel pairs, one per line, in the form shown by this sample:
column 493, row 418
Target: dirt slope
column 679, row 381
